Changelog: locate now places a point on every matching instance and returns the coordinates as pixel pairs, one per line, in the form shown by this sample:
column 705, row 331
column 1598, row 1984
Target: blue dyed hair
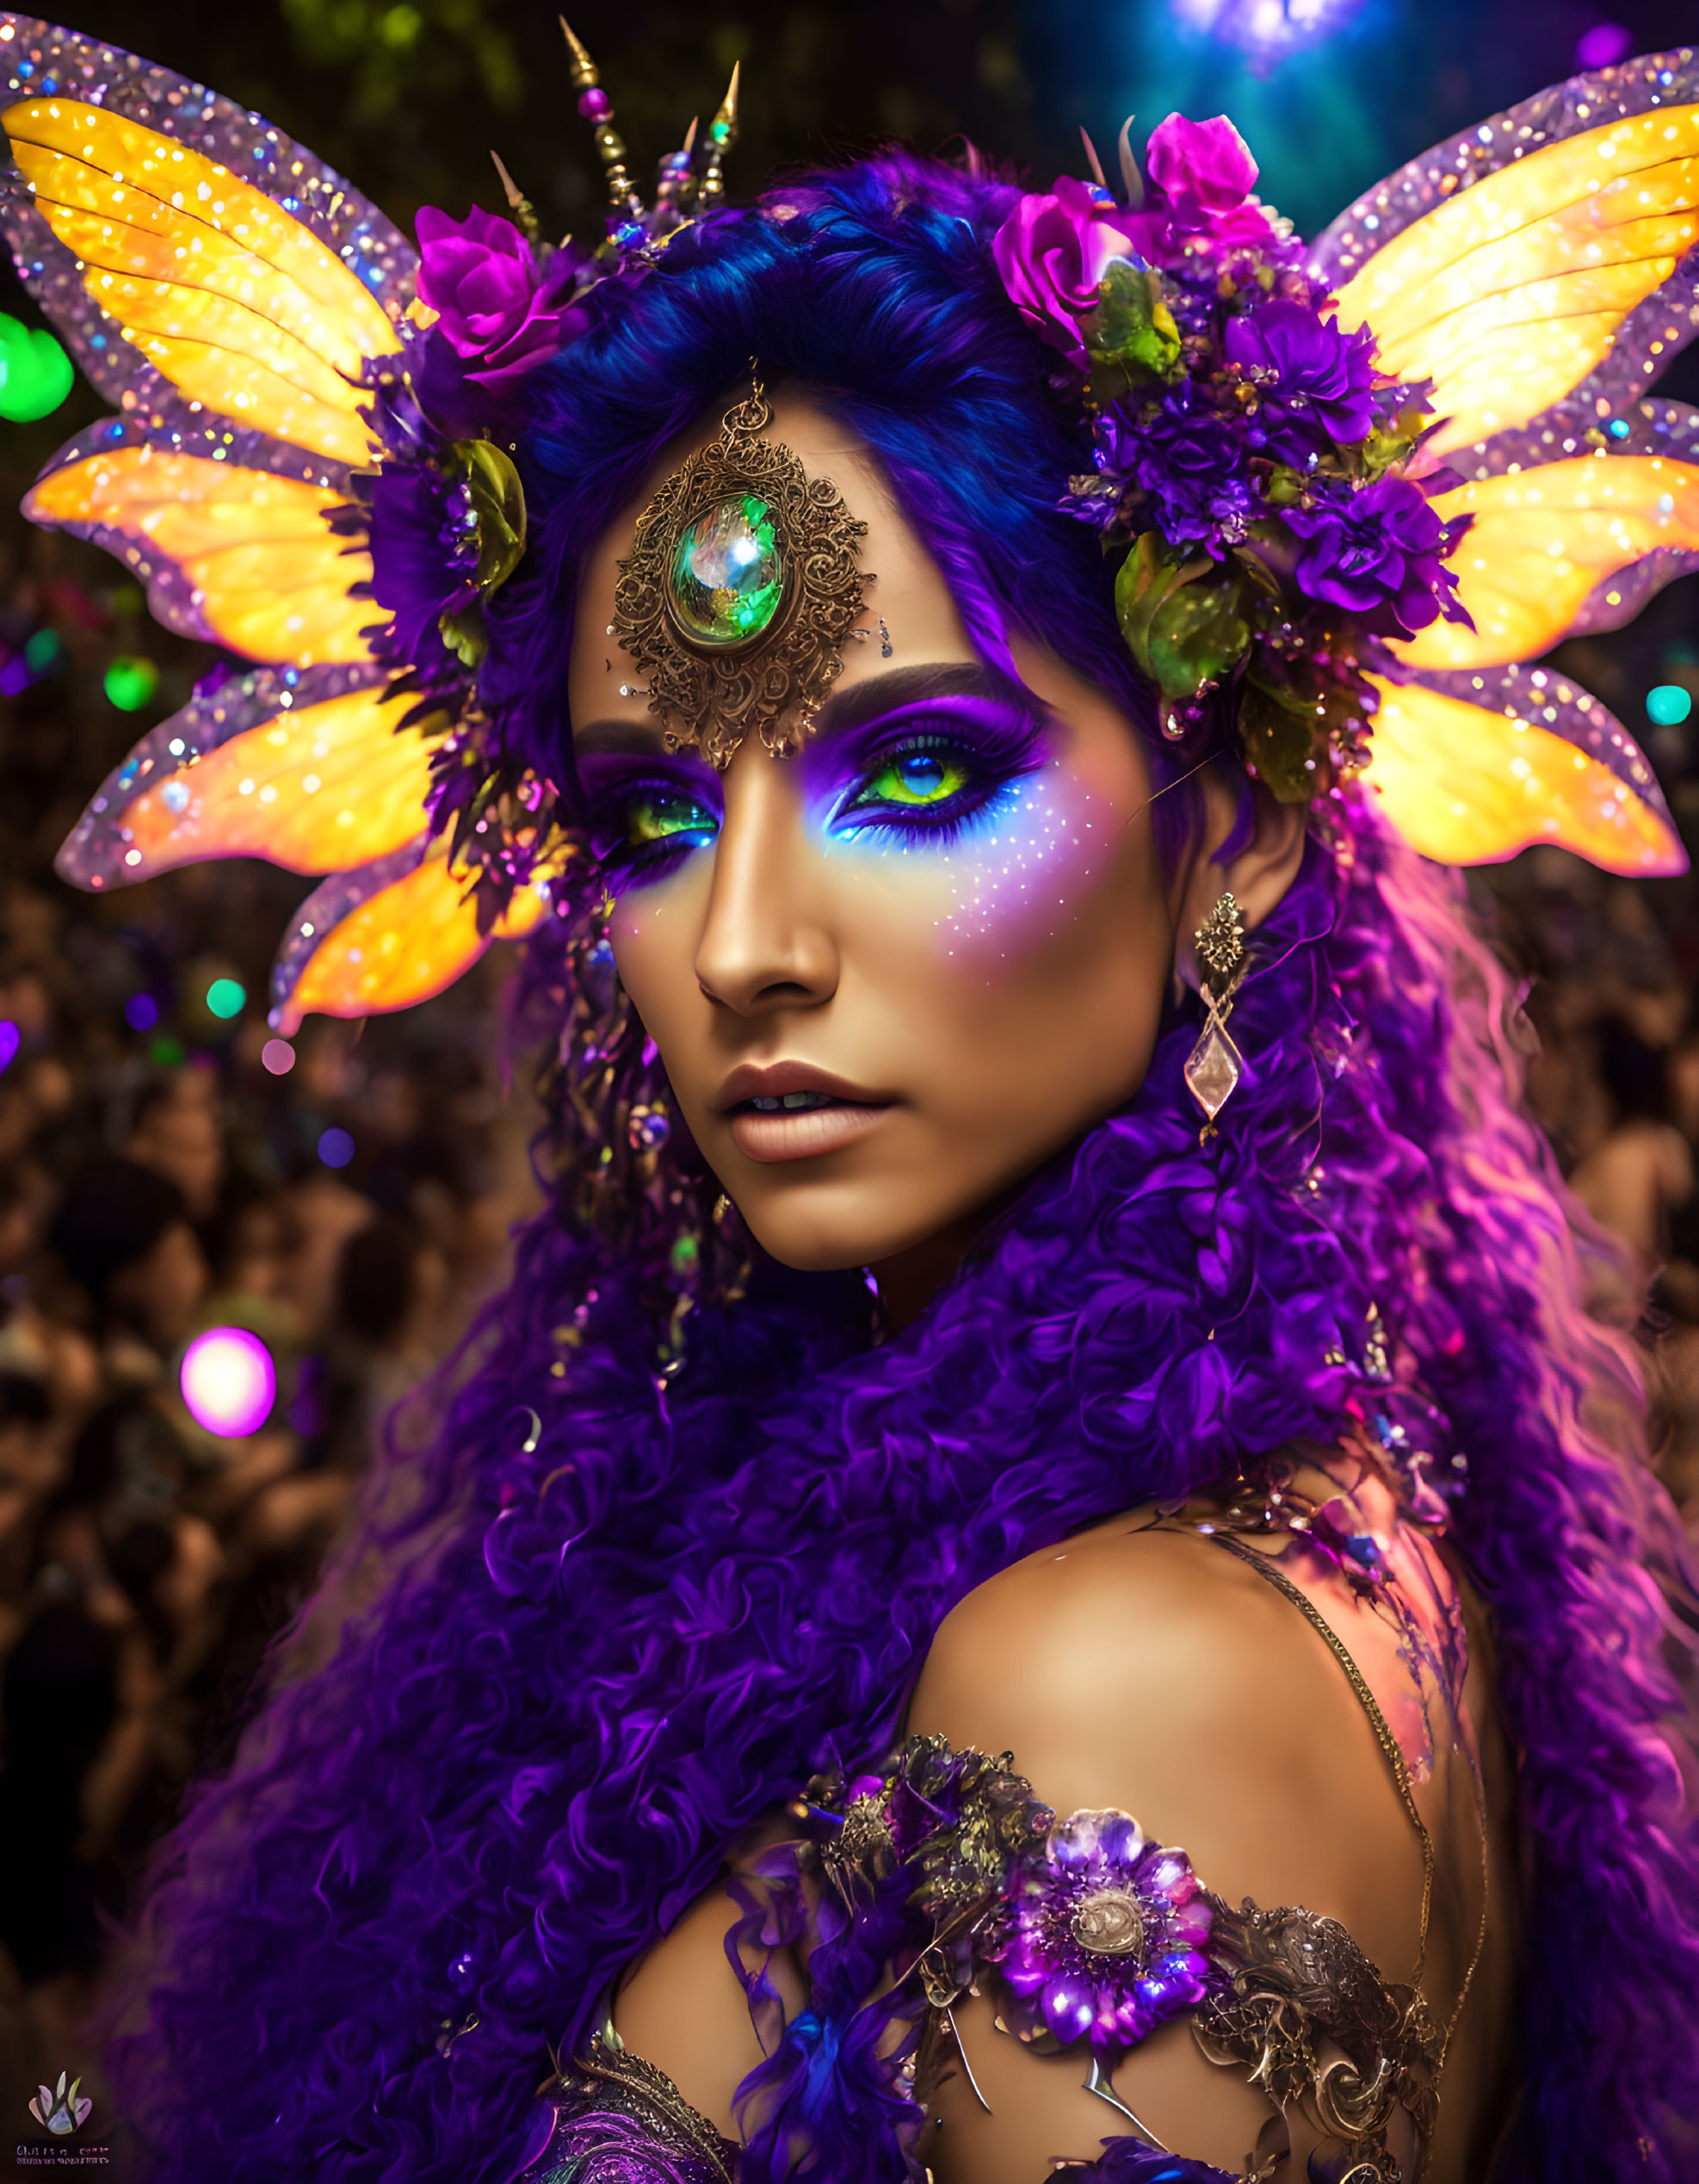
column 554, row 1676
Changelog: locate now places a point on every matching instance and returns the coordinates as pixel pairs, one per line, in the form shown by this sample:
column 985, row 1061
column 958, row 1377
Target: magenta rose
column 1207, row 162
column 1053, row 251
column 1203, row 172
column 497, row 309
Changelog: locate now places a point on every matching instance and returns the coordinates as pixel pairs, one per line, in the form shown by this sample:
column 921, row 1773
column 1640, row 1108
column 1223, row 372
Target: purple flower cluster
column 422, row 532
column 1378, row 553
column 1234, row 419
column 1313, row 384
column 1188, row 460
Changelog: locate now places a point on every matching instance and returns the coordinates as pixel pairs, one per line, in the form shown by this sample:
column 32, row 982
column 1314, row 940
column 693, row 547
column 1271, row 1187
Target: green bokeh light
column 166, row 1052
column 130, row 681
column 1669, row 705
column 36, row 373
column 226, row 998
column 43, row 651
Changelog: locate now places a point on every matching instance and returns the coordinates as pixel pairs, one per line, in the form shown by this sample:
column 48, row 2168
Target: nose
column 765, row 946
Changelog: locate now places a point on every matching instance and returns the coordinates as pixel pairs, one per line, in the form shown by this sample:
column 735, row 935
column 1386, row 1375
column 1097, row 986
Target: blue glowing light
column 336, row 1148
column 1266, row 27
column 1669, row 705
column 141, row 1012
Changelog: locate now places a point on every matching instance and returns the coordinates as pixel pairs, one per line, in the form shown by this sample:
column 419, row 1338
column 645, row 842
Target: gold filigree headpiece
column 742, row 584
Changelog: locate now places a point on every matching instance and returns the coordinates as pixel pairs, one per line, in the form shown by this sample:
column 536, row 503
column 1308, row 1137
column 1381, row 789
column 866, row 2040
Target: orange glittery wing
column 1514, row 286
column 1545, row 541
column 394, row 932
column 1539, row 270
column 306, row 770
column 224, row 289
column 244, row 558
column 1525, row 756
column 241, row 306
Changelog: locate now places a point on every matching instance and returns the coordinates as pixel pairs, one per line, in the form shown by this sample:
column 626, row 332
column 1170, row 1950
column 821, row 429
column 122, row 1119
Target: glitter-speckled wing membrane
column 223, row 287
column 1541, row 269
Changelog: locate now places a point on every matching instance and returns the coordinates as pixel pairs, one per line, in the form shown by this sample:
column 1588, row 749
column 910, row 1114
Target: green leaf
column 1132, row 329
column 465, row 635
column 1283, row 487
column 1181, row 619
column 499, row 503
column 1279, row 731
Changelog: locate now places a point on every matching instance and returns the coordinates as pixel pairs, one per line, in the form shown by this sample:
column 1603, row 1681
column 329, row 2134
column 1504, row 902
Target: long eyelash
column 1005, row 755
column 617, row 855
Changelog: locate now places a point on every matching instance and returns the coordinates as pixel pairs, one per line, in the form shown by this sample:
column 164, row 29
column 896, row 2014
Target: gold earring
column 1215, row 1065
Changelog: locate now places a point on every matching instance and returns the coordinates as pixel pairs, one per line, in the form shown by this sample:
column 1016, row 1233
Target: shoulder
column 1155, row 1672
column 1119, row 1641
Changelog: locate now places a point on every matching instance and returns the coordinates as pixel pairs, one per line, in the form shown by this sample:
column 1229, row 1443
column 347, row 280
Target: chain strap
column 1400, row 1774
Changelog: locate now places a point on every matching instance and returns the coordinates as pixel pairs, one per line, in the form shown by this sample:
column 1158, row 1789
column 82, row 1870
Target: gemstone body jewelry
column 1215, row 1065
column 743, row 584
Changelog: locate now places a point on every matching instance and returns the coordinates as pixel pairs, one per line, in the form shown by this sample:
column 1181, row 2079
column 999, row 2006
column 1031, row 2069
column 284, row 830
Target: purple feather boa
column 596, row 1661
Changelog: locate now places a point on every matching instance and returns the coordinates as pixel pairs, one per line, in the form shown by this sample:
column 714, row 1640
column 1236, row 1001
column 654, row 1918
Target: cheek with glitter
column 1021, row 878
column 1011, row 880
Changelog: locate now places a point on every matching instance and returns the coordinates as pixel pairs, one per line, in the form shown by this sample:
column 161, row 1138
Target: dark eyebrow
column 905, row 685
column 853, row 708
column 645, row 737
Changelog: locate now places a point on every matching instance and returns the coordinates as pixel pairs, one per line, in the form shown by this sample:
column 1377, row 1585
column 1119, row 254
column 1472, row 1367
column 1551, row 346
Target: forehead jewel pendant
column 742, row 584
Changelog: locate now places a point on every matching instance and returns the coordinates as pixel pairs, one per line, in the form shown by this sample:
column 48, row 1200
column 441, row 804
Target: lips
column 782, row 1111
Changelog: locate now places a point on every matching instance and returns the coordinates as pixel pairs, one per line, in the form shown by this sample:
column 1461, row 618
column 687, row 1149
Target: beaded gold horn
column 691, row 181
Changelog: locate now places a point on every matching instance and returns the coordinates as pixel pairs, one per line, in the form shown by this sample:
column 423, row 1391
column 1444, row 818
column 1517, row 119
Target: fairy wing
column 1540, row 270
column 224, row 289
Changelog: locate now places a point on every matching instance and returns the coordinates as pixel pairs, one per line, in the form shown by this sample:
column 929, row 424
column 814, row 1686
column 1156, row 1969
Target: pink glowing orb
column 1604, row 44
column 228, row 1381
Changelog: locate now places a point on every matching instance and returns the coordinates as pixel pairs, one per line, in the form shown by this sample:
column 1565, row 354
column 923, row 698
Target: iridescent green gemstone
column 728, row 572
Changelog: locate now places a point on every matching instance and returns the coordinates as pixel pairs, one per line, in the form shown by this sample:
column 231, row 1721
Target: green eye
column 657, row 817
column 917, row 777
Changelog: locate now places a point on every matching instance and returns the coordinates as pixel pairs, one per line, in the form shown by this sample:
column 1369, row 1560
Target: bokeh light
column 1669, row 705
column 10, row 1040
column 228, row 1381
column 36, row 373
column 336, row 1148
column 130, row 681
column 226, row 998
column 166, row 1052
column 1266, row 27
column 43, row 651
column 1603, row 45
column 141, row 1012
column 278, row 1056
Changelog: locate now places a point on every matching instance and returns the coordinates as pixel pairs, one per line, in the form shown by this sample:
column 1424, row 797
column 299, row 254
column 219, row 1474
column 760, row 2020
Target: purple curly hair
column 556, row 1672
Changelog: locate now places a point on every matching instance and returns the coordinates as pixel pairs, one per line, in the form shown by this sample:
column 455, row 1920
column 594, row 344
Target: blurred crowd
column 167, row 1166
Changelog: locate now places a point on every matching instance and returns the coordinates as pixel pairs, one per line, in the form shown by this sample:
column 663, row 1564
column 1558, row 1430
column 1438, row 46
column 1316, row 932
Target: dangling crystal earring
column 1215, row 1065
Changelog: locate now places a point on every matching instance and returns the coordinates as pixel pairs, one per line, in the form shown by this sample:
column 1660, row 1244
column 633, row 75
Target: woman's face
column 890, row 975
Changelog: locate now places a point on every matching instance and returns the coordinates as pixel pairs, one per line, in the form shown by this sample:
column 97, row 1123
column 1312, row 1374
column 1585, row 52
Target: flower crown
column 1250, row 464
